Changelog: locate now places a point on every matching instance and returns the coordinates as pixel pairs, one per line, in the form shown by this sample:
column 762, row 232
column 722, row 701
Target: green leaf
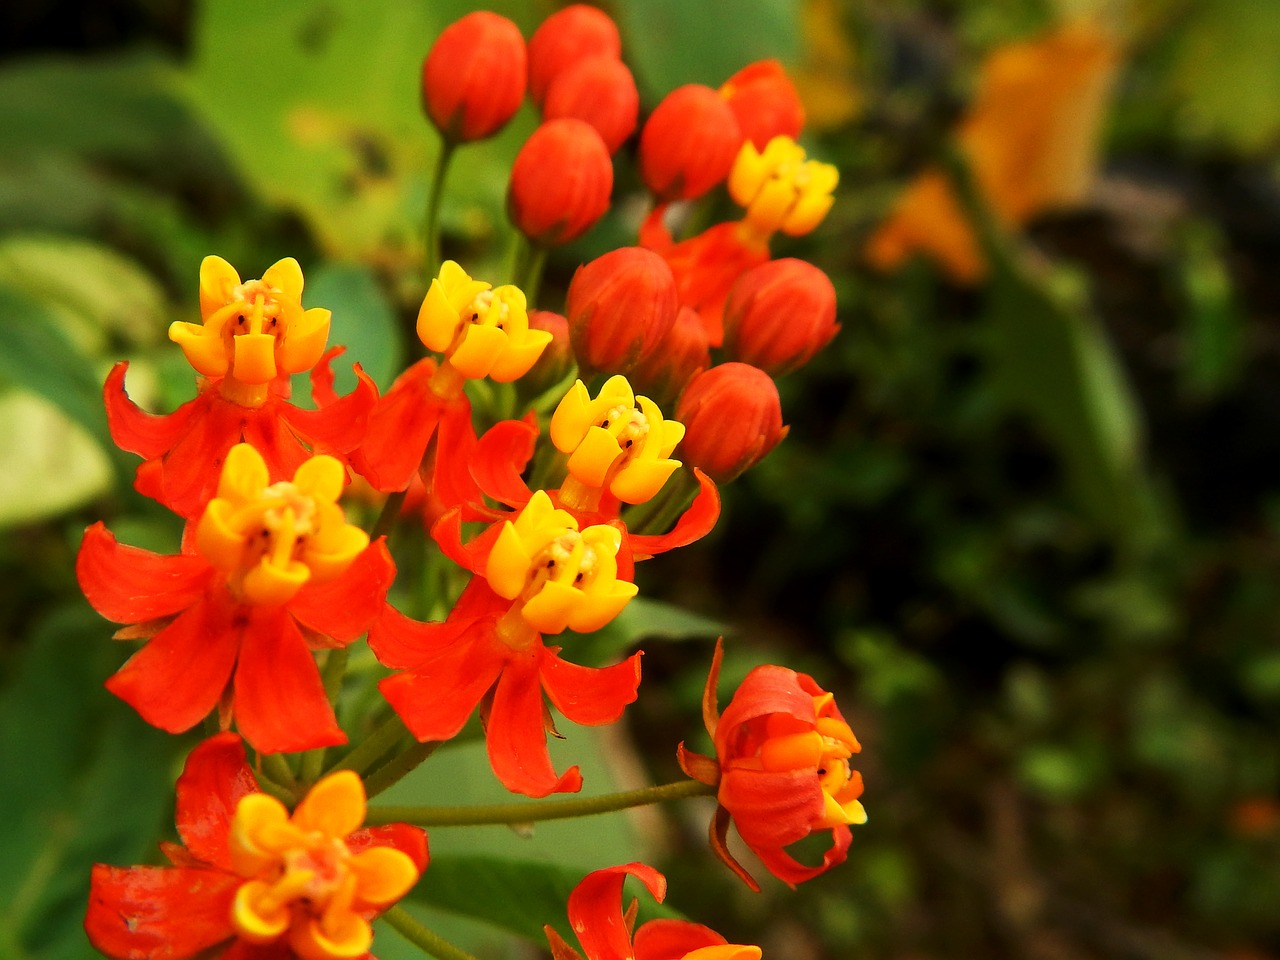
column 320, row 104
column 674, row 42
column 363, row 321
column 51, row 464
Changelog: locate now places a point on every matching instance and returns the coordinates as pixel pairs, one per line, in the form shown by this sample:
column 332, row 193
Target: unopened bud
column 620, row 307
column 560, row 182
column 473, row 80
column 779, row 314
column 689, row 143
column 732, row 417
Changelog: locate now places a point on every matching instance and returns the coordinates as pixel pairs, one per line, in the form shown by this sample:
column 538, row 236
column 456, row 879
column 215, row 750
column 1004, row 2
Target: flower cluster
column 248, row 624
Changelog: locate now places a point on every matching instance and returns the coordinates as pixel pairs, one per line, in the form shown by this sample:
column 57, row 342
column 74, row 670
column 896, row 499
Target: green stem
column 283, row 794
column 425, row 940
column 398, row 767
column 369, row 751
column 335, row 667
column 275, row 766
column 532, row 811
column 390, row 513
column 531, row 279
column 660, row 513
column 431, row 228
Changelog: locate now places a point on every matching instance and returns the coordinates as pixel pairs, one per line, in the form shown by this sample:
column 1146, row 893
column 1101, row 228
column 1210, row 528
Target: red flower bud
column 779, row 314
column 620, row 307
column 567, row 36
column 599, row 90
column 765, row 102
column 681, row 355
column 560, row 182
column 732, row 417
column 689, row 143
column 473, row 79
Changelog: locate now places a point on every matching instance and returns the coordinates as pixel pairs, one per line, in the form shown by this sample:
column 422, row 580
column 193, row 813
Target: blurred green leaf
column 1213, row 328
column 673, row 42
column 363, row 321
column 51, row 464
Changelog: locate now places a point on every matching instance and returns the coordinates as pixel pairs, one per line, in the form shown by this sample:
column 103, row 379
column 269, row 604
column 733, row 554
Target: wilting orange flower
column 781, row 768
column 253, row 880
column 604, row 931
column 1031, row 138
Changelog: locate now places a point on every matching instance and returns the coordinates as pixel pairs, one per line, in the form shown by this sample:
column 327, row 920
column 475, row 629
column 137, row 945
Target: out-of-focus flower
column 689, row 143
column 252, row 880
column 732, row 417
column 1030, row 137
column 225, row 622
column 560, row 182
column 782, row 770
column 557, row 360
column 679, row 357
column 473, row 80
column 567, row 37
column 781, row 189
column 779, row 314
column 605, row 932
column 599, row 91
column 615, row 441
column 620, row 306
column 765, row 102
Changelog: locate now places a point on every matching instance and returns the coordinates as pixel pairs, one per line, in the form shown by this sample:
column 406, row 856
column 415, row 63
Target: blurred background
column 1026, row 524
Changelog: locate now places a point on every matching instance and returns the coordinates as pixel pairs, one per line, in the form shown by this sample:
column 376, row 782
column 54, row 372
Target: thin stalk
column 531, row 279
column 431, row 227
column 398, row 767
column 389, row 515
column 335, row 667
column 428, row 941
column 275, row 766
column 536, row 810
column 374, row 747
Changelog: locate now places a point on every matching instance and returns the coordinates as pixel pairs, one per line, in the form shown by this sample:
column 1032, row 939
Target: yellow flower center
column 781, row 189
column 559, row 577
column 251, row 332
column 616, row 441
column 270, row 539
column 302, row 880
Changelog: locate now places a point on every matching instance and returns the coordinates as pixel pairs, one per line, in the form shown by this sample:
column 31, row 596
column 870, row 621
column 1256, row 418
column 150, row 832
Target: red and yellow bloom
column 781, row 768
column 271, row 572
column 604, row 931
column 252, row 877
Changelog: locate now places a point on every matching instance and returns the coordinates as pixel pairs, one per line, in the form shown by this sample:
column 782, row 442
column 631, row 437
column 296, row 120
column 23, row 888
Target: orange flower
column 1031, row 137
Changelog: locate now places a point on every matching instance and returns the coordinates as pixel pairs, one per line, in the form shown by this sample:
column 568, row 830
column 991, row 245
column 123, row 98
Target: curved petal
column 322, row 392
column 191, row 468
column 694, row 524
column 790, row 871
column 772, row 809
column 411, row 841
column 159, row 913
column 595, row 909
column 130, row 585
column 399, row 427
column 438, row 695
column 346, row 607
column 501, row 457
column 472, row 555
column 176, row 679
column 216, row 776
column 768, row 689
column 133, row 429
column 451, row 480
column 280, row 704
column 516, row 736
column 339, row 424
column 589, row 695
column 673, row 939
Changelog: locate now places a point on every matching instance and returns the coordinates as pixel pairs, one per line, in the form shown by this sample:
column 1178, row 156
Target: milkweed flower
column 765, row 101
column 482, row 331
column 733, row 418
column 781, row 766
column 271, row 571
column 253, row 335
column 1030, row 137
column 473, row 79
column 605, row 932
column 567, row 37
column 781, row 188
column 615, row 441
column 252, row 879
column 779, row 314
column 534, row 574
column 560, row 182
